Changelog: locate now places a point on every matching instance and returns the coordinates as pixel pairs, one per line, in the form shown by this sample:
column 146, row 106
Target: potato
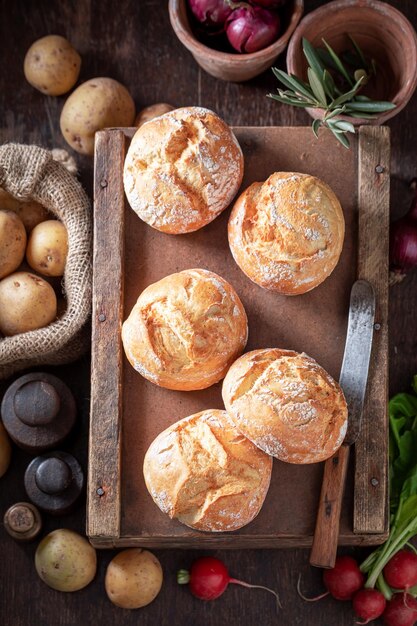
column 47, row 248
column 5, row 450
column 7, row 201
column 133, row 578
column 99, row 103
column 65, row 560
column 153, row 110
column 31, row 213
column 27, row 302
column 52, row 65
column 12, row 242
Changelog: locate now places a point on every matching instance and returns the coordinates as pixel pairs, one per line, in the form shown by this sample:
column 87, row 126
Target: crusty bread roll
column 182, row 169
column 185, row 330
column 286, row 233
column 204, row 473
column 286, row 404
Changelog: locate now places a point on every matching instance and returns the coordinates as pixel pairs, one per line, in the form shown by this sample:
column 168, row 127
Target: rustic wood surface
column 132, row 41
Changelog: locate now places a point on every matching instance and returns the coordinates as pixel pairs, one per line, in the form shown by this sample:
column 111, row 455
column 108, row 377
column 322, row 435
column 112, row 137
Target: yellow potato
column 5, row 450
column 12, row 242
column 27, row 302
column 133, row 578
column 65, row 560
column 7, row 201
column 47, row 248
column 52, row 65
column 153, row 110
column 31, row 213
column 99, row 103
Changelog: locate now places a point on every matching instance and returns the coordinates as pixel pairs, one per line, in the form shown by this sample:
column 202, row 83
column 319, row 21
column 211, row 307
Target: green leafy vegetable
column 333, row 85
column 403, row 486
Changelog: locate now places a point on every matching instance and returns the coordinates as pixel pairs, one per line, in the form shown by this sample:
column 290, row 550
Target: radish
column 401, row 570
column 341, row 582
column 209, row 578
column 368, row 604
column 401, row 610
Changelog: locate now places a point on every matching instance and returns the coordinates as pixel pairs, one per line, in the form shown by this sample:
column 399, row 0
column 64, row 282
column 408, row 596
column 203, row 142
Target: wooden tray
column 127, row 411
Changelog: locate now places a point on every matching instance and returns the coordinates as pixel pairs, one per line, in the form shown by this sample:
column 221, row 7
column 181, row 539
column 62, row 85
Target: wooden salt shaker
column 38, row 411
column 54, row 482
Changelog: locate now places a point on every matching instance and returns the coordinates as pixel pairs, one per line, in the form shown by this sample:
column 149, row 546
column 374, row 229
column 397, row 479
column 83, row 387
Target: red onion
column 252, row 28
column 210, row 12
column 269, row 4
column 403, row 243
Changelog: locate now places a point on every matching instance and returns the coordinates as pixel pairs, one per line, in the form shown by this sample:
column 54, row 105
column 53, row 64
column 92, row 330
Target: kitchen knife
column 353, row 379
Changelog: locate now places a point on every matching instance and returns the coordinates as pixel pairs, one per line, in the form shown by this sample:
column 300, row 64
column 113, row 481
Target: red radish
column 342, row 581
column 368, row 604
column 209, row 578
column 401, row 570
column 401, row 610
column 345, row 579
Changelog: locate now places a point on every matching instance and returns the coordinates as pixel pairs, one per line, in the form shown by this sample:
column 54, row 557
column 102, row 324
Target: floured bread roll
column 204, row 473
column 286, row 234
column 182, row 169
column 185, row 330
column 286, row 404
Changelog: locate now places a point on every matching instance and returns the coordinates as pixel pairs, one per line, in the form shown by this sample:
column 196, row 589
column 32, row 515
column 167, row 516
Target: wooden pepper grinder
column 54, row 482
column 38, row 411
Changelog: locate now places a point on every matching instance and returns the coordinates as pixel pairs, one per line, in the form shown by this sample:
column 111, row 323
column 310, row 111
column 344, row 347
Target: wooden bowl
column 235, row 67
column 382, row 32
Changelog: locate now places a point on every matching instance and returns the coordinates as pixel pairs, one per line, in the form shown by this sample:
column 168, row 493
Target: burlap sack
column 30, row 173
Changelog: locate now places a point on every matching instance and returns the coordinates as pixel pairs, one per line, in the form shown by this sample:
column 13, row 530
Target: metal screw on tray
column 22, row 521
column 54, row 482
column 38, row 411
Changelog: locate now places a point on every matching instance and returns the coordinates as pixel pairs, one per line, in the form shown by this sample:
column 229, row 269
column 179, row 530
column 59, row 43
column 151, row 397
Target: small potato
column 65, row 560
column 52, row 65
column 96, row 104
column 12, row 242
column 31, row 213
column 133, row 578
column 153, row 110
column 27, row 302
column 5, row 450
column 7, row 201
column 47, row 248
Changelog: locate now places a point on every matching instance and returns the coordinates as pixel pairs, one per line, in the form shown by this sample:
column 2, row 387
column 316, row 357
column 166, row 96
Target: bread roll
column 185, row 330
column 286, row 404
column 182, row 169
column 286, row 234
column 204, row 473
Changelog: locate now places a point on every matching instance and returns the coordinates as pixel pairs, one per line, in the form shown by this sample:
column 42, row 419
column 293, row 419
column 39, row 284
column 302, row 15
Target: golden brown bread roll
column 286, row 404
column 286, row 234
column 207, row 475
column 185, row 330
column 182, row 169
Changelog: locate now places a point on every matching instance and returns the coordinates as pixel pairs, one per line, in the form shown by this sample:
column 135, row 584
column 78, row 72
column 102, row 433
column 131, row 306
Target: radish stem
column 300, row 593
column 243, row 584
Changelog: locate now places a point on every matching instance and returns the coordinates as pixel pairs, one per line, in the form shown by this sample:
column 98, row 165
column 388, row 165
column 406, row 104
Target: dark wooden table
column 132, row 41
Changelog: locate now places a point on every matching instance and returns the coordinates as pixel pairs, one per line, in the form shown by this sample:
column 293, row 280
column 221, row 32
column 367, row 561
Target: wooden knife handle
column 326, row 534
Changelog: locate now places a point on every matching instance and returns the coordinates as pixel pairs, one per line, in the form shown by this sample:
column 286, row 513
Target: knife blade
column 353, row 379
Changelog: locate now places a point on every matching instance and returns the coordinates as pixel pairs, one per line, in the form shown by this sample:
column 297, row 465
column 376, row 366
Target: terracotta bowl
column 227, row 65
column 382, row 32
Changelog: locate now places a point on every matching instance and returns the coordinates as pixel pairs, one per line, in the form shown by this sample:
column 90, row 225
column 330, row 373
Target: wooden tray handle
column 326, row 534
